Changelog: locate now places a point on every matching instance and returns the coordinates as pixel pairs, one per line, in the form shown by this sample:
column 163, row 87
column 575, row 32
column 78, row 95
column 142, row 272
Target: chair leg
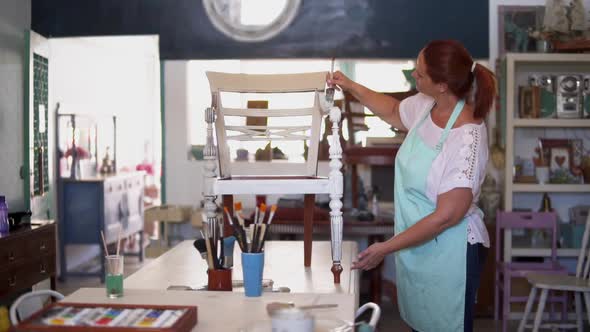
column 551, row 297
column 497, row 295
column 506, row 301
column 308, row 203
column 527, row 310
column 578, row 299
column 540, row 309
column 587, row 301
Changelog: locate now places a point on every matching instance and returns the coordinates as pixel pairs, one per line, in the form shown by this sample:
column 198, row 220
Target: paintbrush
column 256, row 214
column 221, row 245
column 201, row 246
column 239, row 232
column 209, row 251
column 238, row 211
column 273, row 209
column 262, row 213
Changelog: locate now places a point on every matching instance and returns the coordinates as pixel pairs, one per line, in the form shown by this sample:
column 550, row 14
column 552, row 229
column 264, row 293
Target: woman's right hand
column 340, row 80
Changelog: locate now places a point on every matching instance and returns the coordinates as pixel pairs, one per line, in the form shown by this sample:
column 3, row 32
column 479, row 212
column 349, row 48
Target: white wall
column 183, row 177
column 112, row 76
column 15, row 19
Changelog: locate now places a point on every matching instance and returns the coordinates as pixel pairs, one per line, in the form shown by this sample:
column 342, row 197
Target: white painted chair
column 276, row 178
column 29, row 303
column 579, row 284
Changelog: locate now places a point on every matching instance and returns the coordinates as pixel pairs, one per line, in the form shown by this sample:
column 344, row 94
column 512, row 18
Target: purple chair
column 506, row 270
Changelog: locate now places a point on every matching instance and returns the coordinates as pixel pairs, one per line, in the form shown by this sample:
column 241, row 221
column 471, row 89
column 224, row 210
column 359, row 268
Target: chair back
column 231, row 125
column 526, row 220
column 29, row 303
column 583, row 266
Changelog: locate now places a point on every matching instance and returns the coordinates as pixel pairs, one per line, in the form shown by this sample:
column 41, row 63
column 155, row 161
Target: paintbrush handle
column 317, row 306
column 209, row 254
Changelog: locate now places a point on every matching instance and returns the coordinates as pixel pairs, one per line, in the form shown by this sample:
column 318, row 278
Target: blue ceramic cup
column 252, row 267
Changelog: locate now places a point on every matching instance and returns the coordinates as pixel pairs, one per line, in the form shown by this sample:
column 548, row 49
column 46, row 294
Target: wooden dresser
column 27, row 256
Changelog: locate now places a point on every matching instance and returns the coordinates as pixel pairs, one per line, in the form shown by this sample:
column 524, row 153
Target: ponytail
column 485, row 90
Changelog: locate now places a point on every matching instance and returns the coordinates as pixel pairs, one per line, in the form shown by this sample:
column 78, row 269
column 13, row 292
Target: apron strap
column 450, row 123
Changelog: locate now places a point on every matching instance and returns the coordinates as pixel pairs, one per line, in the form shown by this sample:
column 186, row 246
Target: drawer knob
column 11, row 256
column 42, row 268
column 42, row 247
column 12, row 281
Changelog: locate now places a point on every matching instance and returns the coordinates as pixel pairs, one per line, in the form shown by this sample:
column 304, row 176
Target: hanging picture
column 514, row 23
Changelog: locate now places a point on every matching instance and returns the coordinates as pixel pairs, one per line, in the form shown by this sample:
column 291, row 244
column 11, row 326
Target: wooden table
column 375, row 231
column 224, row 311
column 182, row 265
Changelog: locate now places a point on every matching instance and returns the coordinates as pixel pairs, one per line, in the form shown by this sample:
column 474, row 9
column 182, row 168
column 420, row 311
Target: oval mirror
column 251, row 20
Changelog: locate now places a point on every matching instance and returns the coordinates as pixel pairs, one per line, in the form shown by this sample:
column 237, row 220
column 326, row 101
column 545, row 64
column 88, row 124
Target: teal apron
column 430, row 277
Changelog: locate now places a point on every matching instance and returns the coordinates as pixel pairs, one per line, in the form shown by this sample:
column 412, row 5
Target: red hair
column 448, row 62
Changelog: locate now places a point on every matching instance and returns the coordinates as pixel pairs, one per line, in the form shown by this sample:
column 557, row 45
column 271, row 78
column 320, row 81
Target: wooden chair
column 275, row 177
column 29, row 303
column 579, row 284
column 508, row 269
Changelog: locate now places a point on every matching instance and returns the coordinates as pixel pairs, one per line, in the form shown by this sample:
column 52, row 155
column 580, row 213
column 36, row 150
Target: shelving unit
column 517, row 67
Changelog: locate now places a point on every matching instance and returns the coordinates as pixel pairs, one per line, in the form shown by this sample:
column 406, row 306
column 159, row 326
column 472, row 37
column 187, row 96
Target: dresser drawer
column 43, row 243
column 24, row 275
column 13, row 250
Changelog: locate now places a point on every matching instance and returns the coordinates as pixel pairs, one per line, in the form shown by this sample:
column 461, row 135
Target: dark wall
column 323, row 28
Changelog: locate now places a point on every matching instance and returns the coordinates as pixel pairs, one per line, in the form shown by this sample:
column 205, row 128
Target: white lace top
column 460, row 164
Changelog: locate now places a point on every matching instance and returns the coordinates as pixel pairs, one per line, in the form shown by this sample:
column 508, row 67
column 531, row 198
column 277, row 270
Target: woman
column 440, row 242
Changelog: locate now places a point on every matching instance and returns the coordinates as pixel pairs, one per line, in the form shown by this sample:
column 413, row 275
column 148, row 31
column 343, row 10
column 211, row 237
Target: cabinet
column 522, row 137
column 27, row 256
column 92, row 205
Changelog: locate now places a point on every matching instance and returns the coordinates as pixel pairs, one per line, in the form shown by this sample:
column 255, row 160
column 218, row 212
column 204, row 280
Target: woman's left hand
column 370, row 257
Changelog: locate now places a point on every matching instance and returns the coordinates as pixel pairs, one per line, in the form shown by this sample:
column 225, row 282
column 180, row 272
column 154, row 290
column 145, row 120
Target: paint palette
column 111, row 317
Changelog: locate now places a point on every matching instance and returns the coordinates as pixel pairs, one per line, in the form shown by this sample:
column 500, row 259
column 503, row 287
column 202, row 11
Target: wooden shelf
column 555, row 188
column 545, row 57
column 544, row 252
column 556, row 123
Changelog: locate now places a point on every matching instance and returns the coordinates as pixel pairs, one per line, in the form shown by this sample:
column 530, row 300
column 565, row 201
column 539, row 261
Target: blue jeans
column 476, row 258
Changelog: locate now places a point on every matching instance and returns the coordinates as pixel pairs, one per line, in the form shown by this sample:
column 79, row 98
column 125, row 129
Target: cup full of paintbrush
column 219, row 274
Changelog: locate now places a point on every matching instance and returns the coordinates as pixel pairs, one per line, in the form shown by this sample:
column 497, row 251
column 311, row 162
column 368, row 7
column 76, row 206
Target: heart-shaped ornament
column 560, row 160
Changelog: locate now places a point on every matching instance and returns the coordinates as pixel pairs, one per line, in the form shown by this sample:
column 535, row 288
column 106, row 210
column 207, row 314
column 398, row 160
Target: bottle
column 545, row 204
column 4, row 228
column 4, row 321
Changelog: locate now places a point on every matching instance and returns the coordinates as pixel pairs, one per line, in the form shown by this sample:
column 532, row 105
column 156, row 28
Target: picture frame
column 513, row 25
column 561, row 158
column 528, row 102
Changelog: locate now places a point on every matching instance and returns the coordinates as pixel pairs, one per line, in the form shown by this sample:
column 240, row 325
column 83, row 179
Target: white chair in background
column 579, row 284
column 29, row 303
column 272, row 178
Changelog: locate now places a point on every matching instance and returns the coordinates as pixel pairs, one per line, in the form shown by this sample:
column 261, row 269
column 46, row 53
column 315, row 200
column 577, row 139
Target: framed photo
column 513, row 25
column 529, row 102
column 560, row 159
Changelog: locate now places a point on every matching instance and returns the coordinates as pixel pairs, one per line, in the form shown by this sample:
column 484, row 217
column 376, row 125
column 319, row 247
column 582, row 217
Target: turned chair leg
column 308, row 207
column 528, row 308
column 578, row 299
column 540, row 309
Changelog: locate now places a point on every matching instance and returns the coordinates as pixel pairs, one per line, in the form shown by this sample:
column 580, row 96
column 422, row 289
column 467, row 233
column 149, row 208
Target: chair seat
column 558, row 282
column 272, row 185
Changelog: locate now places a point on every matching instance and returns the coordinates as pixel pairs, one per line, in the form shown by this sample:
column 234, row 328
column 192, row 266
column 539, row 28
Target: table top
column 183, row 266
column 226, row 311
